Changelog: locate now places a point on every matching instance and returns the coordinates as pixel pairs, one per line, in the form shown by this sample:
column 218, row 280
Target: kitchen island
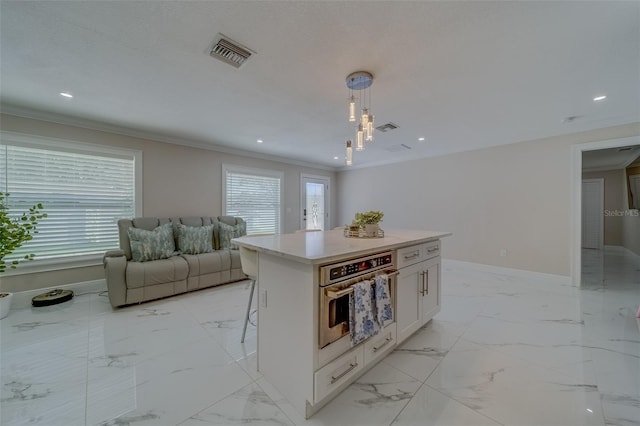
column 294, row 273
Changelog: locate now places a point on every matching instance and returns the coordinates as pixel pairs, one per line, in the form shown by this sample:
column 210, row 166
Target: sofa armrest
column 112, row 253
column 115, row 266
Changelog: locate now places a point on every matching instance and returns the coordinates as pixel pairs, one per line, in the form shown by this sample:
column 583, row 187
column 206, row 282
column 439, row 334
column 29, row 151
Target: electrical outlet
column 263, row 298
column 503, row 252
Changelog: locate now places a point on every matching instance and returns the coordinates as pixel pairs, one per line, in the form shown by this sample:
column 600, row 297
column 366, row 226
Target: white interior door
column 592, row 213
column 314, row 200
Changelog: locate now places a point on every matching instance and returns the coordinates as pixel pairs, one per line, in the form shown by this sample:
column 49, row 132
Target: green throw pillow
column 195, row 239
column 227, row 232
column 151, row 245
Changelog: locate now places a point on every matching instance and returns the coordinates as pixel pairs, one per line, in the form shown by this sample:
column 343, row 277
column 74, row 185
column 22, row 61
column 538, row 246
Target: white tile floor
column 503, row 351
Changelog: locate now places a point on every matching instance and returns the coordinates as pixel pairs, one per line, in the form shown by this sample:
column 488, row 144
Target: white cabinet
column 417, row 288
column 378, row 346
column 338, row 372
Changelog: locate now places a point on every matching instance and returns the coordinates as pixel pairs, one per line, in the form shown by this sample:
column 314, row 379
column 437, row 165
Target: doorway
column 314, row 200
column 592, row 149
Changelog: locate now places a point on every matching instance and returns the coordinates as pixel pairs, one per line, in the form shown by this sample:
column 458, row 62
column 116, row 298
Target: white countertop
column 325, row 246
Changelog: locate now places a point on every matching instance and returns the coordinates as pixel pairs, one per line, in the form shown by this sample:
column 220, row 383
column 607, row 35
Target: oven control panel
column 355, row 267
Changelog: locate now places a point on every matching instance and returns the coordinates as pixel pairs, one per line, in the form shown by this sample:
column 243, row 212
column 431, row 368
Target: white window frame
column 43, row 142
column 257, row 172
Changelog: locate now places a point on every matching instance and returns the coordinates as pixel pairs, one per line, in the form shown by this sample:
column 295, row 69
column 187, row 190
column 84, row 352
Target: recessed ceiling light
column 600, row 98
column 259, row 141
column 420, row 139
column 66, row 94
column 336, row 158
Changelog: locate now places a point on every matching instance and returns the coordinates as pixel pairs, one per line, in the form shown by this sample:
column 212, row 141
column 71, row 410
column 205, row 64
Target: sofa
column 161, row 257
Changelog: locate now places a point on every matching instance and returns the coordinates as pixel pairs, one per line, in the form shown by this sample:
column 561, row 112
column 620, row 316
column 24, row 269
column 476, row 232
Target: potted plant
column 369, row 221
column 14, row 232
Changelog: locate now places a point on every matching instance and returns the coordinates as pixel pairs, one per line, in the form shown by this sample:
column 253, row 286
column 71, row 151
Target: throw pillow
column 227, row 232
column 195, row 239
column 151, row 245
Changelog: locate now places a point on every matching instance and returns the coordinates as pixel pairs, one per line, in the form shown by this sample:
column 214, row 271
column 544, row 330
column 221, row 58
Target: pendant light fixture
column 360, row 81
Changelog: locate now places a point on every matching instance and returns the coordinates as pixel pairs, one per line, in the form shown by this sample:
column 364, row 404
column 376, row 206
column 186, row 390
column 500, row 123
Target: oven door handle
column 333, row 294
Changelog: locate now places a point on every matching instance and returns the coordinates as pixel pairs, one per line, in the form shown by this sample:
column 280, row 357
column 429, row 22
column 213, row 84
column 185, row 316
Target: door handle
column 421, row 290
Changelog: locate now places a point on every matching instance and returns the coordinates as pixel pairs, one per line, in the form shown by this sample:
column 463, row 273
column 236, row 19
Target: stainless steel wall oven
column 336, row 281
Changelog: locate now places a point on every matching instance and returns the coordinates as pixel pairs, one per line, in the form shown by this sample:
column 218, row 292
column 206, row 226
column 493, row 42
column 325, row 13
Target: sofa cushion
column 142, row 274
column 207, row 263
column 151, row 245
column 227, row 232
column 195, row 239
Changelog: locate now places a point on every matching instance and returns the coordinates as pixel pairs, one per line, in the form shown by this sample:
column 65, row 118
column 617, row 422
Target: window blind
column 83, row 194
column 254, row 196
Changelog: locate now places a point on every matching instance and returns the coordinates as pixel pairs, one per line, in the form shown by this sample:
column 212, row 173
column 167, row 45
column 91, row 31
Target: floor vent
column 398, row 148
column 386, row 127
column 229, row 51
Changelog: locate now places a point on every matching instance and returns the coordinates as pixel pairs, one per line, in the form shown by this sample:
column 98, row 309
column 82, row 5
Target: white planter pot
column 5, row 304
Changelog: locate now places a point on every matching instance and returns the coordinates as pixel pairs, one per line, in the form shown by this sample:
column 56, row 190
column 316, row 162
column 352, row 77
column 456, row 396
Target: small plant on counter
column 15, row 232
column 368, row 218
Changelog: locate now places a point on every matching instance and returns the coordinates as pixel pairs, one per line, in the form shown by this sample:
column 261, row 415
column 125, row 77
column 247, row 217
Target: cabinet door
column 431, row 290
column 409, row 300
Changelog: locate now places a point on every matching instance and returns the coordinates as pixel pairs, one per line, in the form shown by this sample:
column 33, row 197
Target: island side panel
column 287, row 326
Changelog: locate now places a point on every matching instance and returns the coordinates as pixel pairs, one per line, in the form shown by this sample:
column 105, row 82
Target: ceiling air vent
column 229, row 51
column 386, row 127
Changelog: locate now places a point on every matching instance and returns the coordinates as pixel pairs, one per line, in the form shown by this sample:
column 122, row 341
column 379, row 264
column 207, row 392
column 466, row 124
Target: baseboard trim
column 517, row 273
column 22, row 299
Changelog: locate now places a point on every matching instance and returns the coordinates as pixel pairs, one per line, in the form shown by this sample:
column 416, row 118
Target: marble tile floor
column 503, row 351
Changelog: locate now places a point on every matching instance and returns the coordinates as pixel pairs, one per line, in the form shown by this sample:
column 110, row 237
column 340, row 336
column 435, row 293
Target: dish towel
column 362, row 320
column 384, row 309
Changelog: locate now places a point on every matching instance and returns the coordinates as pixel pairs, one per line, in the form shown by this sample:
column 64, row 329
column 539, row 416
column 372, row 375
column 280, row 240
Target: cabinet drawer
column 431, row 249
column 409, row 255
column 414, row 254
column 337, row 372
column 378, row 346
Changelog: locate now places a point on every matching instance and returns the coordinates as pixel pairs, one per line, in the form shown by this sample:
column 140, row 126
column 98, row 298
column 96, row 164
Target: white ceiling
column 610, row 158
column 464, row 75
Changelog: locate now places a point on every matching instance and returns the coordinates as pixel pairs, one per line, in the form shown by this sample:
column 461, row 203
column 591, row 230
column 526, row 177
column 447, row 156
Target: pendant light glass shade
column 349, row 154
column 365, row 118
column 370, row 128
column 360, row 138
column 352, row 109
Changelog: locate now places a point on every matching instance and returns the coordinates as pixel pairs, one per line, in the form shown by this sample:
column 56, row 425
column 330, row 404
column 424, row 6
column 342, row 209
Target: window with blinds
column 83, row 193
column 255, row 196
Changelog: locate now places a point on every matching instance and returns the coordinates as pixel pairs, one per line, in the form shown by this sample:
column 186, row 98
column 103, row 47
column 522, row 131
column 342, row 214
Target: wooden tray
column 361, row 233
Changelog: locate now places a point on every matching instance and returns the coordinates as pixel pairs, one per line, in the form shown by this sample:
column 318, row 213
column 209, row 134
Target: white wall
column 613, row 200
column 516, row 197
column 177, row 181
